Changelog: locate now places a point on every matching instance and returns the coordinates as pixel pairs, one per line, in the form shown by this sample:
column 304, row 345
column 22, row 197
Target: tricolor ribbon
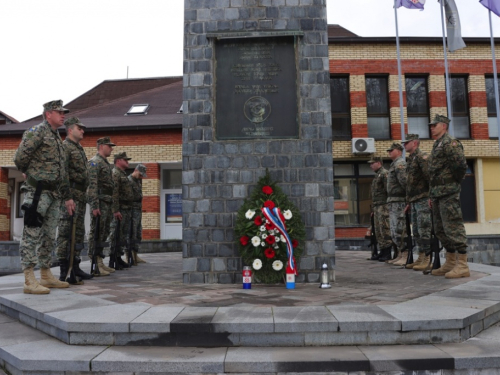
column 274, row 216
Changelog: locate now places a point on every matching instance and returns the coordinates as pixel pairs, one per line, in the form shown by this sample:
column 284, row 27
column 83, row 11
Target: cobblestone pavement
column 358, row 280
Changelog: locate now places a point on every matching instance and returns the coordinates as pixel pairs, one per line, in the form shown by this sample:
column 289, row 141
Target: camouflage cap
column 105, row 141
column 395, row 146
column 375, row 159
column 55, row 105
column 121, row 155
column 440, row 118
column 74, row 121
column 142, row 170
column 410, row 137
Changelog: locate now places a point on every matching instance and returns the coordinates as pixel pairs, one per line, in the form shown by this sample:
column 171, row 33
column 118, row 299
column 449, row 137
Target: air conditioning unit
column 363, row 145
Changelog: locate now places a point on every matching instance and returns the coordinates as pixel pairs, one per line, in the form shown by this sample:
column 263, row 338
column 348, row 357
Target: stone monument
column 256, row 97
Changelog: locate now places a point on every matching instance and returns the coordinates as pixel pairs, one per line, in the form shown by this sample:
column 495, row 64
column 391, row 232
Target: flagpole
column 402, row 118
column 495, row 80
column 447, row 76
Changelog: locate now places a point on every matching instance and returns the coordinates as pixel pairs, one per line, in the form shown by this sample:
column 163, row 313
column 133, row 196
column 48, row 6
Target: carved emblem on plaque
column 257, row 109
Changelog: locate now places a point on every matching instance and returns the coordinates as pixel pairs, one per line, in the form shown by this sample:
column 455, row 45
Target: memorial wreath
column 269, row 232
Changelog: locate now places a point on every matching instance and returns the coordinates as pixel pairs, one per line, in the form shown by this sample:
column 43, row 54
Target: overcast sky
column 59, row 49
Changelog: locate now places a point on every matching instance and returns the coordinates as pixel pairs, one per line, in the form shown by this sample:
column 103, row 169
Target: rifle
column 434, row 251
column 70, row 275
column 94, row 268
column 130, row 257
column 409, row 239
column 32, row 218
column 116, row 243
column 373, row 239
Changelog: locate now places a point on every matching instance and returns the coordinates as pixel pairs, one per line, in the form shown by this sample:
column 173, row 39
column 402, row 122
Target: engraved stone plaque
column 255, row 83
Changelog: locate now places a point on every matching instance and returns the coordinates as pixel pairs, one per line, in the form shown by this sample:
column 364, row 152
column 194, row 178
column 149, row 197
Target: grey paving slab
column 311, row 360
column 407, row 358
column 155, row 319
column 477, row 291
column 5, row 319
column 50, row 355
column 16, row 333
column 364, row 318
column 303, row 319
column 243, row 319
column 484, row 268
column 474, row 354
column 492, row 333
column 155, row 359
column 193, row 319
column 488, row 306
column 113, row 318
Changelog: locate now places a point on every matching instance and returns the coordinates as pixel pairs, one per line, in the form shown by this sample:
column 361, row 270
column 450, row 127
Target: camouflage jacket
column 101, row 184
column 136, row 184
column 396, row 181
column 41, row 156
column 123, row 194
column 379, row 187
column 418, row 176
column 447, row 166
column 76, row 165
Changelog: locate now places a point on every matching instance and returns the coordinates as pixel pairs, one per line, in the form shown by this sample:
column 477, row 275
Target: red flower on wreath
column 244, row 240
column 267, row 190
column 295, row 243
column 269, row 226
column 258, row 220
column 269, row 253
column 270, row 239
column 269, row 204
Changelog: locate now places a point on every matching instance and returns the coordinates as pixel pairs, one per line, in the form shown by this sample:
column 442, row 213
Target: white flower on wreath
column 276, row 246
column 255, row 241
column 287, row 214
column 262, row 228
column 282, row 238
column 257, row 264
column 249, row 214
column 277, row 265
column 262, row 244
column 264, row 236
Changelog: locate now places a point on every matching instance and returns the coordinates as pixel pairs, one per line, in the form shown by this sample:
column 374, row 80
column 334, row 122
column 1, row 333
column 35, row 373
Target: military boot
column 461, row 269
column 396, row 259
column 63, row 267
column 48, row 280
column 385, row 254
column 121, row 262
column 101, row 266
column 78, row 271
column 417, row 262
column 402, row 259
column 449, row 264
column 31, row 284
column 105, row 267
column 423, row 264
column 138, row 259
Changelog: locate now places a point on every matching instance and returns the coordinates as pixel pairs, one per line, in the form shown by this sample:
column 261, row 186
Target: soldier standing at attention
column 76, row 165
column 417, row 196
column 447, row 168
column 380, row 208
column 136, row 181
column 123, row 197
column 100, row 198
column 396, row 199
column 40, row 157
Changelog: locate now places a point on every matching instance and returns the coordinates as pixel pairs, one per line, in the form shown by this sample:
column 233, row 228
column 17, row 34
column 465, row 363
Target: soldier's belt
column 443, row 181
column 77, row 186
column 106, row 191
column 46, row 185
column 126, row 203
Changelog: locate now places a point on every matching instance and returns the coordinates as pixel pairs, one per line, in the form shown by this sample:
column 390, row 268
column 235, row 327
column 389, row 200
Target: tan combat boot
column 402, row 260
column 102, row 270
column 449, row 264
column 423, row 264
column 104, row 267
column 398, row 257
column 417, row 262
column 31, row 284
column 137, row 258
column 461, row 269
column 49, row 281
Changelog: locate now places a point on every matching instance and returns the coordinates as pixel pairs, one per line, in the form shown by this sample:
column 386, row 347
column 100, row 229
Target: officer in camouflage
column 136, row 182
column 380, row 208
column 417, row 198
column 100, row 199
column 41, row 158
column 396, row 199
column 123, row 197
column 76, row 165
column 447, row 168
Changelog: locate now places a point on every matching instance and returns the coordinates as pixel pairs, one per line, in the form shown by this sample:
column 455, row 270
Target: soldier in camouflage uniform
column 447, row 168
column 417, row 196
column 123, row 197
column 396, row 199
column 136, row 182
column 41, row 158
column 100, row 198
column 76, row 165
column 380, row 208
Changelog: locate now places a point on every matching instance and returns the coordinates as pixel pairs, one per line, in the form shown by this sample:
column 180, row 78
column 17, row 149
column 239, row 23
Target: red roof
column 8, row 117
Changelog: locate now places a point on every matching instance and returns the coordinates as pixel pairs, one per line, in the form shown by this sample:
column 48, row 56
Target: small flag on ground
column 410, row 4
column 453, row 28
column 493, row 5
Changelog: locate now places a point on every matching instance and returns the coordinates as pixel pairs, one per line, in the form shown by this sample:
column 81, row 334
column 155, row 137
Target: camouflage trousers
column 124, row 229
column 448, row 223
column 104, row 226
column 136, row 228
column 382, row 226
column 64, row 230
column 421, row 224
column 37, row 243
column 397, row 220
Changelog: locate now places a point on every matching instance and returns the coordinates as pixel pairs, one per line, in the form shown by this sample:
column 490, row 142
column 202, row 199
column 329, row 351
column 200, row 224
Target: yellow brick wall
column 4, row 191
column 437, row 83
column 357, row 83
column 478, row 115
column 4, row 223
column 151, row 187
column 359, row 115
column 151, row 220
column 477, row 83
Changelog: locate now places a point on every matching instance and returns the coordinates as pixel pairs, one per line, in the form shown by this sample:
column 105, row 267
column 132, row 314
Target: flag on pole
column 453, row 28
column 493, row 5
column 410, row 4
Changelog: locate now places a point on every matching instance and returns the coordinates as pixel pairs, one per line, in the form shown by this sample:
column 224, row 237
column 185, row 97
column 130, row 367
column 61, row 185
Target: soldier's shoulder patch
column 401, row 166
column 425, row 156
column 93, row 164
column 454, row 143
column 33, row 129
